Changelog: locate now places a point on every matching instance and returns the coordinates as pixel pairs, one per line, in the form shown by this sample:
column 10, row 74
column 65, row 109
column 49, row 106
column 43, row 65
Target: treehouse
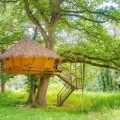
column 29, row 57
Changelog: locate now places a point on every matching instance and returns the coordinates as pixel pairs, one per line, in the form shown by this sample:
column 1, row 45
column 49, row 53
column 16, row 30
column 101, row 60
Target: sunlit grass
column 93, row 106
column 94, row 101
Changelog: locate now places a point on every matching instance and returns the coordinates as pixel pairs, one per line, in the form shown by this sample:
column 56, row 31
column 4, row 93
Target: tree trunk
column 2, row 87
column 43, row 83
column 32, row 82
column 42, row 90
column 31, row 93
column 49, row 38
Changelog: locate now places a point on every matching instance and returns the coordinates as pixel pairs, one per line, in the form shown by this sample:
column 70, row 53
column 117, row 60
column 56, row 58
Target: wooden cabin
column 29, row 57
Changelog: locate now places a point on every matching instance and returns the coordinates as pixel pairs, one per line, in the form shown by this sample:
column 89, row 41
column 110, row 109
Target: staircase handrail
column 62, row 90
column 67, row 70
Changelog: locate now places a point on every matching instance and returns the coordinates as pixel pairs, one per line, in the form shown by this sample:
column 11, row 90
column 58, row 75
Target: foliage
column 12, row 20
column 6, row 77
column 32, row 86
column 97, row 53
column 105, row 80
column 31, row 79
column 89, row 40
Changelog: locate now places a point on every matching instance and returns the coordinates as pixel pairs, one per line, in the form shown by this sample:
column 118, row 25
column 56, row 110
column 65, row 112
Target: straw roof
column 29, row 48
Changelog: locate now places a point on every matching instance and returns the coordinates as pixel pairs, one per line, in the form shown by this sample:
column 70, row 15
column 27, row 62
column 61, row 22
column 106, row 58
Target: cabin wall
column 31, row 65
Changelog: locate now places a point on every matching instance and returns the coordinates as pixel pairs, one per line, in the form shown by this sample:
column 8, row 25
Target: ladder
column 71, row 84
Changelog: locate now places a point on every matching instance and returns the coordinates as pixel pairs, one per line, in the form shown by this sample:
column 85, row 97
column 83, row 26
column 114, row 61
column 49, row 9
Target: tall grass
column 89, row 102
column 12, row 99
column 94, row 101
column 96, row 105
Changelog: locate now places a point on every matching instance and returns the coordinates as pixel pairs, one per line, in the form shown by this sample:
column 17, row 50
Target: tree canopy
column 77, row 29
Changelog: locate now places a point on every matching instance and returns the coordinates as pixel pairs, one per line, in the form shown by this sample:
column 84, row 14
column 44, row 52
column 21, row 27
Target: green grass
column 95, row 101
column 93, row 106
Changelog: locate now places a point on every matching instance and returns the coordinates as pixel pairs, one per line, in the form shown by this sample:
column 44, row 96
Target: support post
column 76, row 75
column 83, row 72
column 71, row 72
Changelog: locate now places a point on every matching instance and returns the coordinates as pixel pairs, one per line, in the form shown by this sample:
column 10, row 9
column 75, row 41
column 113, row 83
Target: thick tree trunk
column 43, row 83
column 2, row 87
column 42, row 90
column 49, row 38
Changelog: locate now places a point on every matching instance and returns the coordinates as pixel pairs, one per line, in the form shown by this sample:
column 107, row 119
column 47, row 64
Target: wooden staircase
column 71, row 84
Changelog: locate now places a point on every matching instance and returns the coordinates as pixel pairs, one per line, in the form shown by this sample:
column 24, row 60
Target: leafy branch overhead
column 81, row 19
column 106, row 56
column 104, row 15
column 78, row 29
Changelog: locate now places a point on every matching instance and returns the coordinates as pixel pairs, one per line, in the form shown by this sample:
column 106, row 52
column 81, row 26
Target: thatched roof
column 29, row 48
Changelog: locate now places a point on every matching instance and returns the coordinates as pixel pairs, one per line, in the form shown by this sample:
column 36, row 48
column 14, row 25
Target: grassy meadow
column 93, row 106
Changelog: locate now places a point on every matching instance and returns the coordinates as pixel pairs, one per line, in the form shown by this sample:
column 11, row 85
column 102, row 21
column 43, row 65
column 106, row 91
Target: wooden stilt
column 76, row 75
column 83, row 71
column 71, row 72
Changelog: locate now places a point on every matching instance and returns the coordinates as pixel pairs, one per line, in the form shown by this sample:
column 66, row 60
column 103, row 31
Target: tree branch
column 95, row 61
column 35, row 21
column 80, row 29
column 44, row 17
column 7, row 1
column 101, row 65
column 103, row 13
column 84, row 18
column 91, row 57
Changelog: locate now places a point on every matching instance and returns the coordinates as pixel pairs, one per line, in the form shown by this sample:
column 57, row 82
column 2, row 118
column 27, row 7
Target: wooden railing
column 71, row 84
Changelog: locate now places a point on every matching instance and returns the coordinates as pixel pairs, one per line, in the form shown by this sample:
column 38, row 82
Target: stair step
column 62, row 100
column 71, row 85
